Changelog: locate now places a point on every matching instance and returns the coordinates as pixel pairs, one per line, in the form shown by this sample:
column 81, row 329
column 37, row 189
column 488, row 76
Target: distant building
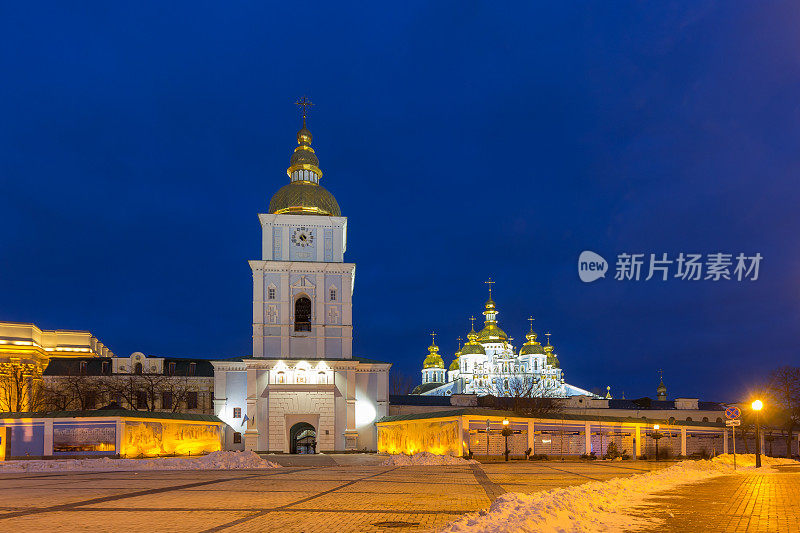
column 488, row 364
column 71, row 370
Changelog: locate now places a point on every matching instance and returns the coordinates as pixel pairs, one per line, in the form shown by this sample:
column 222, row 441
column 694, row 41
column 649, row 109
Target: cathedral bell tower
column 302, row 288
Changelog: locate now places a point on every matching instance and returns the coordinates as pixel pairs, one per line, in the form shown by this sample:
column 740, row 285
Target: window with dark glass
column 166, row 400
column 192, row 368
column 138, row 369
column 302, row 314
column 237, row 412
column 271, row 293
column 237, row 437
column 191, row 400
column 106, row 368
column 83, row 367
column 333, row 295
column 141, row 399
column 171, row 368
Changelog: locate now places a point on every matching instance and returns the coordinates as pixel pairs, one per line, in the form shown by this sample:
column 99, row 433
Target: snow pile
column 214, row 461
column 592, row 507
column 746, row 460
column 425, row 459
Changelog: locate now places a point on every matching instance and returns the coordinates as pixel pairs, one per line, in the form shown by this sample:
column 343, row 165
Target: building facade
column 302, row 390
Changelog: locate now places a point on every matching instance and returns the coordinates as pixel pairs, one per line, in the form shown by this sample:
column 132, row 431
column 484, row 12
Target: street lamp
column 506, row 432
column 757, row 406
column 656, row 435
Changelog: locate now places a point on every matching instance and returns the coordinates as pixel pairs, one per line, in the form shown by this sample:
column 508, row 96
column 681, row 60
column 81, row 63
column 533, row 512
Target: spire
column 304, row 165
column 552, row 359
column 455, row 364
column 490, row 331
column 661, row 390
column 433, row 360
column 608, row 393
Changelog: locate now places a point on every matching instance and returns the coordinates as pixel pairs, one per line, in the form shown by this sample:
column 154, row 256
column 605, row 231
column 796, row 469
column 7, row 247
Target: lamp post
column 506, row 432
column 656, row 435
column 757, row 406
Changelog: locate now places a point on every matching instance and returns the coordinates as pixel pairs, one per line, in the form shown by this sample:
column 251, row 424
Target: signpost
column 733, row 414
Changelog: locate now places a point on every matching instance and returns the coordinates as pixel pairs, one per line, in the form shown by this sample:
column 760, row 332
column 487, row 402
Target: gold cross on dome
column 433, row 338
column 459, row 342
column 305, row 103
column 531, row 319
column 472, row 320
column 548, row 337
column 489, row 282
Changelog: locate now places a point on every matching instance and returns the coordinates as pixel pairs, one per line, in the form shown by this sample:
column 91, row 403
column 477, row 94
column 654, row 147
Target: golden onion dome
column 304, row 198
column 433, row 359
column 491, row 332
column 303, row 195
column 472, row 347
column 455, row 364
column 532, row 347
column 552, row 359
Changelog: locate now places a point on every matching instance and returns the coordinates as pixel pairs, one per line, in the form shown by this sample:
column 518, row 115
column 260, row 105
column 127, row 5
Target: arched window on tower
column 138, row 368
column 302, row 314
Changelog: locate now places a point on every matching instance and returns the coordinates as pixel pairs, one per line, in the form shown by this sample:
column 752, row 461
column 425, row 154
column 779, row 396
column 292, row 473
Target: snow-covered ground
column 596, row 506
column 425, row 459
column 748, row 460
column 213, row 461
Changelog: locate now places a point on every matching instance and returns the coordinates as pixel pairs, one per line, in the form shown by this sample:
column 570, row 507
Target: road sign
column 733, row 423
column 733, row 413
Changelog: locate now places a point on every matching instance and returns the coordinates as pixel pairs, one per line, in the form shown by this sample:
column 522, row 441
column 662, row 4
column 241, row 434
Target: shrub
column 538, row 457
column 612, row 452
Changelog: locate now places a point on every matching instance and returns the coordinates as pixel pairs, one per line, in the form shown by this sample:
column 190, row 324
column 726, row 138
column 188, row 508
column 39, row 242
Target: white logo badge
column 591, row 266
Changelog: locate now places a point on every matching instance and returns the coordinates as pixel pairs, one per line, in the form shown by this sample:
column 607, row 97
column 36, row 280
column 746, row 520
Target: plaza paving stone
column 753, row 502
column 353, row 498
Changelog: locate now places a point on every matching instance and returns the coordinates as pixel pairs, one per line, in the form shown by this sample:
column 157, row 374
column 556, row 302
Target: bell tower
column 302, row 288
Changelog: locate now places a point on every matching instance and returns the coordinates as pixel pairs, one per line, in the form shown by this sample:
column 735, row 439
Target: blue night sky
column 462, row 139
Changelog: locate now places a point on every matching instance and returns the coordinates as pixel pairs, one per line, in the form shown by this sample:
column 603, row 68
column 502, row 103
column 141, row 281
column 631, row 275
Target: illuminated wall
column 151, row 438
column 439, row 437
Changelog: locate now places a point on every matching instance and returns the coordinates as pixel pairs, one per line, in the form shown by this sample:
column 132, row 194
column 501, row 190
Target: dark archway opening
column 303, row 438
column 302, row 314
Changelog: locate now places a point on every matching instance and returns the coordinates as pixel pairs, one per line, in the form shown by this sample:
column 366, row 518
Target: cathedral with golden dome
column 489, row 365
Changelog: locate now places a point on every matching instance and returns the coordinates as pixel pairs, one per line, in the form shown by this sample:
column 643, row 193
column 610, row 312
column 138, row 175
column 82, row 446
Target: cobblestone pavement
column 296, row 499
column 752, row 502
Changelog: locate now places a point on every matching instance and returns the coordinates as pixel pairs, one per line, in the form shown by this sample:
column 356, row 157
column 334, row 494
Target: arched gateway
column 302, row 438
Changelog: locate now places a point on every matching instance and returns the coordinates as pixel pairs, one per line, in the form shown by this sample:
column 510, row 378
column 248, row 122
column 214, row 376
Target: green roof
column 113, row 413
column 479, row 411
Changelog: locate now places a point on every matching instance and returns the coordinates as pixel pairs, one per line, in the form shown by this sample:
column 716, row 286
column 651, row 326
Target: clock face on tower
column 302, row 237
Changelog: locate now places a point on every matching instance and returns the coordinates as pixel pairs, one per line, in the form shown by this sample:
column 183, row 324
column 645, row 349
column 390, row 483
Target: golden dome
column 552, row 359
column 490, row 331
column 472, row 346
column 304, row 195
column 304, row 198
column 433, row 360
column 455, row 364
column 532, row 347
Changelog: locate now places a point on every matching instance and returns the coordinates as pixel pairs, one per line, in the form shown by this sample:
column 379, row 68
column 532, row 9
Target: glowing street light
column 656, row 435
column 757, row 405
column 506, row 432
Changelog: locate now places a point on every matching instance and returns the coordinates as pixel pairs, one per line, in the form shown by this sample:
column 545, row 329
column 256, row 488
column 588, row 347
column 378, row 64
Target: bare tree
column 525, row 394
column 18, row 388
column 783, row 391
column 400, row 383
